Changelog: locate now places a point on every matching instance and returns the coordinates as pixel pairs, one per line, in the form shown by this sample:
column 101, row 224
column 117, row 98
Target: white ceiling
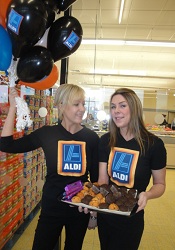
column 131, row 66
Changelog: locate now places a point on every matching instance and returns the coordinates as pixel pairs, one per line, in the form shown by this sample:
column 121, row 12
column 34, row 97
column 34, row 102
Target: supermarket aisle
column 159, row 225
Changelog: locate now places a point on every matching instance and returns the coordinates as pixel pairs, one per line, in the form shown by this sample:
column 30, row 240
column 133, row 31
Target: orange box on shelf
column 8, row 231
column 14, row 210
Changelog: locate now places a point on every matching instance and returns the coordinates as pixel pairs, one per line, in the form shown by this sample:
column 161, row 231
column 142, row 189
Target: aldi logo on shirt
column 71, row 158
column 122, row 165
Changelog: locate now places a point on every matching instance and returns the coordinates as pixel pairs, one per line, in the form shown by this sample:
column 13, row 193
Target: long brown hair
column 136, row 125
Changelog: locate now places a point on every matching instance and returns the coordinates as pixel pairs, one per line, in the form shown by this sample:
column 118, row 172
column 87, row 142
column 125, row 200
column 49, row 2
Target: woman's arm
column 8, row 127
column 156, row 190
column 103, row 175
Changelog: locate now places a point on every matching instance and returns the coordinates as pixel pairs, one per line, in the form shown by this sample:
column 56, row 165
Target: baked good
column 95, row 189
column 110, row 198
column 88, row 184
column 84, row 192
column 106, row 196
column 94, row 203
column 99, row 196
column 103, row 205
column 132, row 192
column 76, row 199
column 91, row 192
column 103, row 200
column 114, row 188
column 123, row 190
column 86, row 188
column 123, row 208
column 123, row 199
column 113, row 206
column 80, row 194
column 86, row 199
column 119, row 202
column 95, row 199
column 127, row 195
column 106, row 186
column 96, row 184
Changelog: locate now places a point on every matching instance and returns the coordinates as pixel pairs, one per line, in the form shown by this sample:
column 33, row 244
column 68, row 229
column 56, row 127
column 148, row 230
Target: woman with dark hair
column 129, row 156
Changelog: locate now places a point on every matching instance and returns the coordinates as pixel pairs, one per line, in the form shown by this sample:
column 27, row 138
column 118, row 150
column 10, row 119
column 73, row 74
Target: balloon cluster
column 32, row 40
column 30, row 35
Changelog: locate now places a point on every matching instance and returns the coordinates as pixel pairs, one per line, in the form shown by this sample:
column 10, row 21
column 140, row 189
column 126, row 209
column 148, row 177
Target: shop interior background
column 143, row 57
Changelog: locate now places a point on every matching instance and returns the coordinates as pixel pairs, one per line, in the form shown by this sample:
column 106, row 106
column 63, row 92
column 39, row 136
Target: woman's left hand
column 83, row 209
column 142, row 201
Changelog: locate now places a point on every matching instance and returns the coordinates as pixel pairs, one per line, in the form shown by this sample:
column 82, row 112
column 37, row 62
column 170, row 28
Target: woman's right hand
column 8, row 127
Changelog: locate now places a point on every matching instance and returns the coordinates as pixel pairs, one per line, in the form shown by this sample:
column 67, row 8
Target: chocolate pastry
column 110, row 198
column 105, row 186
column 103, row 205
column 88, row 184
column 86, row 199
column 123, row 208
column 119, row 202
column 103, row 191
column 123, row 190
column 132, row 191
column 126, row 195
column 95, row 189
column 114, row 188
column 123, row 199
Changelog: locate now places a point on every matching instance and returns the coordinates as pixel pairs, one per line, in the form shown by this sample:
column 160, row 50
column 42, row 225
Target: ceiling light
column 128, row 43
column 103, row 42
column 121, row 11
column 118, row 72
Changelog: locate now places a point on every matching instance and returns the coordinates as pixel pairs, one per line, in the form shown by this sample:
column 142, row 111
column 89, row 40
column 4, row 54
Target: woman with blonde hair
column 71, row 153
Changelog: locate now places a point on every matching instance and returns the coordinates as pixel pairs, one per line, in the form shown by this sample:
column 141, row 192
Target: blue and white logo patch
column 14, row 21
column 72, row 40
column 71, row 158
column 121, row 166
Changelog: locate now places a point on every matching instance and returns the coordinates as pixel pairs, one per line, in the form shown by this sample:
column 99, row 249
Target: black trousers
column 120, row 232
column 49, row 229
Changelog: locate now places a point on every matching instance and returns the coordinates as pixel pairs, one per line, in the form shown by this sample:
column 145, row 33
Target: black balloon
column 26, row 24
column 64, row 37
column 35, row 65
column 51, row 9
column 63, row 5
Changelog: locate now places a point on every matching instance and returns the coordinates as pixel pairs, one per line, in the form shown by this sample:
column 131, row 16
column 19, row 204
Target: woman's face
column 74, row 112
column 120, row 111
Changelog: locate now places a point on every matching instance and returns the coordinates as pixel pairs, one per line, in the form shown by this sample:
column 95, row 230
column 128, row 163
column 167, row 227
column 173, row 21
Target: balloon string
column 23, row 113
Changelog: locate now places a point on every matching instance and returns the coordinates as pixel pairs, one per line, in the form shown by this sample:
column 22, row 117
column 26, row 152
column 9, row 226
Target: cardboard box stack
column 21, row 175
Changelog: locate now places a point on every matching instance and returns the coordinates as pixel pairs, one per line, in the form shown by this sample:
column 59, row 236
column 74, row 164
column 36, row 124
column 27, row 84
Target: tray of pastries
column 101, row 198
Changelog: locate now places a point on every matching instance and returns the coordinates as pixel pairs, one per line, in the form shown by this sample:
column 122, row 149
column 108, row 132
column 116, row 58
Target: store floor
column 159, row 233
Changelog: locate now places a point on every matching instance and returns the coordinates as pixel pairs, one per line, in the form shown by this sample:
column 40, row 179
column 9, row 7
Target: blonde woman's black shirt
column 47, row 138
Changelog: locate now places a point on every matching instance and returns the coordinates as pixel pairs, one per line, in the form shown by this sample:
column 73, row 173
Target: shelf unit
column 19, row 200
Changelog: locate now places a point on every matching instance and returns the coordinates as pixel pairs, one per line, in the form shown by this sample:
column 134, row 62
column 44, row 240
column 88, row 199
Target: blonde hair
column 136, row 125
column 66, row 94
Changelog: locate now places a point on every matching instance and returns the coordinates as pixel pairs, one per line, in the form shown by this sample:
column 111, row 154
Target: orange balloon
column 45, row 83
column 3, row 11
column 2, row 21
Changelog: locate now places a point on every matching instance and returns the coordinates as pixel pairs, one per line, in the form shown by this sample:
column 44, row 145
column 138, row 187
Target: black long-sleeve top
column 47, row 138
